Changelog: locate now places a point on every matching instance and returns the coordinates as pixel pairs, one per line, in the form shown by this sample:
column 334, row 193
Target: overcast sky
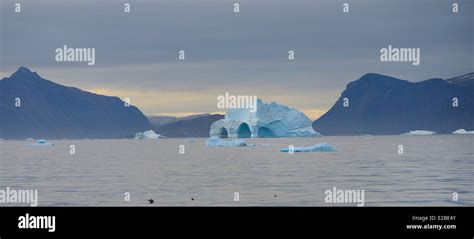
column 239, row 53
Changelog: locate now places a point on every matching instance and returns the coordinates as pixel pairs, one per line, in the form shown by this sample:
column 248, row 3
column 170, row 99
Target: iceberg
column 41, row 142
column 321, row 147
column 420, row 132
column 150, row 134
column 268, row 121
column 215, row 141
column 463, row 131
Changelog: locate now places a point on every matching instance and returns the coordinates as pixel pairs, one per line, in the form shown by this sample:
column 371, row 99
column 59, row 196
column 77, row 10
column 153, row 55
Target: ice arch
column 223, row 133
column 244, row 131
column 264, row 132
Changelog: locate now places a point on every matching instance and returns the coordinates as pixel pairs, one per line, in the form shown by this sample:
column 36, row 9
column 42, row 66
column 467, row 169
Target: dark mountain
column 381, row 104
column 50, row 110
column 464, row 80
column 160, row 120
column 194, row 127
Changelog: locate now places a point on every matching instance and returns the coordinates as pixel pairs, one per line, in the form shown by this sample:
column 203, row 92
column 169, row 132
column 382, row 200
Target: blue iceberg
column 41, row 142
column 149, row 134
column 463, row 131
column 322, row 147
column 215, row 141
column 268, row 121
column 420, row 132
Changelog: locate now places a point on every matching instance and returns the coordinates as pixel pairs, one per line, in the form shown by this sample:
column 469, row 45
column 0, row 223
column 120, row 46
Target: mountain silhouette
column 160, row 120
column 197, row 126
column 50, row 110
column 379, row 104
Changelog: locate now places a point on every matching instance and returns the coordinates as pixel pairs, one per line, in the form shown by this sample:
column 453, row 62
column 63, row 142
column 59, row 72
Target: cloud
column 244, row 52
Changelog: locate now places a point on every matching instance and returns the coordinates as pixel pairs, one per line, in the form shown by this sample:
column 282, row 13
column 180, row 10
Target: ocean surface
column 100, row 172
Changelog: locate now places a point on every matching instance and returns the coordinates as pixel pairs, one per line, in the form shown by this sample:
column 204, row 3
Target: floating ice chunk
column 322, row 147
column 150, row 134
column 41, row 142
column 215, row 141
column 420, row 132
column 463, row 131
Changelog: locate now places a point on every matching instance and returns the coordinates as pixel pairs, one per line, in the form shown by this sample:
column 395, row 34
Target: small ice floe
column 420, row 132
column 463, row 131
column 41, row 142
column 149, row 134
column 322, row 147
column 215, row 141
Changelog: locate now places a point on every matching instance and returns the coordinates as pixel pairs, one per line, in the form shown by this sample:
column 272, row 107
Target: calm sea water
column 101, row 171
